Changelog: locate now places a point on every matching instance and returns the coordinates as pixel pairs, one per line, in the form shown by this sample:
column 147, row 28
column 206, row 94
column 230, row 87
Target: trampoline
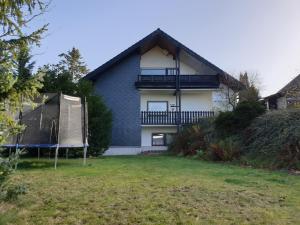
column 57, row 121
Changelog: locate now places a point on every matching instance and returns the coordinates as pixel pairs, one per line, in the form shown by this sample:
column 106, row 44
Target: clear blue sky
column 260, row 36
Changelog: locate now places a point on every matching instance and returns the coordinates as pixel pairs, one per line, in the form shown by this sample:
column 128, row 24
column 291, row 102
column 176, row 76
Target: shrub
column 200, row 154
column 100, row 125
column 227, row 149
column 225, row 123
column 188, row 141
column 273, row 140
column 7, row 166
column 229, row 123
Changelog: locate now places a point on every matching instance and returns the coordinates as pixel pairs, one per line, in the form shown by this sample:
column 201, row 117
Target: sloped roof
column 291, row 86
column 157, row 37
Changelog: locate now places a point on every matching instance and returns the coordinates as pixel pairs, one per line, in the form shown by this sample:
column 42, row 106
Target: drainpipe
column 178, row 91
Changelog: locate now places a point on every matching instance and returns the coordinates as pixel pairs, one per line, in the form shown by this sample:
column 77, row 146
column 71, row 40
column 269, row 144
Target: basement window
column 161, row 139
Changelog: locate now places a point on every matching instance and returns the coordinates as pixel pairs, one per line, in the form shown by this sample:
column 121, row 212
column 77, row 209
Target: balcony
column 169, row 81
column 173, row 118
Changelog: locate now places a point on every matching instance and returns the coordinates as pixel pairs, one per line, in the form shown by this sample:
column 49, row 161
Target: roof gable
column 160, row 38
column 292, row 85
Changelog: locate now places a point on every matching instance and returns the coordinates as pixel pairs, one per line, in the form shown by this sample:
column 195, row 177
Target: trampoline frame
column 57, row 146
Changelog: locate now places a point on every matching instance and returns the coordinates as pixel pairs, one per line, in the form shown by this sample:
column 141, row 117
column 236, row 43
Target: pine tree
column 15, row 15
column 251, row 92
column 73, row 63
column 65, row 77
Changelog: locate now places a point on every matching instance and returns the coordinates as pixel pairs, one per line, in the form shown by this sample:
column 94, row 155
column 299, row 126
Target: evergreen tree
column 17, row 83
column 15, row 15
column 72, row 62
column 64, row 77
column 251, row 92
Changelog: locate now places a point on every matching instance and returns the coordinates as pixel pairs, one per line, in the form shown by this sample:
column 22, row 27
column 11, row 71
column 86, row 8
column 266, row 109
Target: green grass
column 151, row 190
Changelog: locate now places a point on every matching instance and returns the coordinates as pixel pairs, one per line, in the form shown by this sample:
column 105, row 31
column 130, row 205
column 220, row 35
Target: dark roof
column 291, row 86
column 164, row 40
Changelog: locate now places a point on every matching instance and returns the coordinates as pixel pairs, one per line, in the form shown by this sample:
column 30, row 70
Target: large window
column 158, row 71
column 153, row 71
column 157, row 106
column 161, row 139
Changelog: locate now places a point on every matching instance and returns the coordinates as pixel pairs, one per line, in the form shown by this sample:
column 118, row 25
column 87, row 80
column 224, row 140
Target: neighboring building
column 155, row 87
column 287, row 97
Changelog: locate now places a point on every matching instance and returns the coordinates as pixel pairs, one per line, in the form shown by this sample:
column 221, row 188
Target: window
column 161, row 139
column 157, row 106
column 158, row 139
column 158, row 71
column 148, row 71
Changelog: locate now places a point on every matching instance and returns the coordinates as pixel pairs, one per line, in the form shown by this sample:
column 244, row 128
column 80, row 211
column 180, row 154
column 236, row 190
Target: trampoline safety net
column 60, row 120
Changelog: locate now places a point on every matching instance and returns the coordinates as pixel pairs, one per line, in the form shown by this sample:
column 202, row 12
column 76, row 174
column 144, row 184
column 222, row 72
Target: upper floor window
column 157, row 106
column 158, row 71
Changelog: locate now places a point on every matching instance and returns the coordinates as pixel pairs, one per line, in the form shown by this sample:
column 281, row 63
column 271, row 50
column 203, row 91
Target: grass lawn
column 151, row 190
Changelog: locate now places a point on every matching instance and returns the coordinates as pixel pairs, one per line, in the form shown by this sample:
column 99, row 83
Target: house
column 155, row 87
column 287, row 97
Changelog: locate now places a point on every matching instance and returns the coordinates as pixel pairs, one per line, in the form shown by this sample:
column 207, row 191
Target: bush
column 7, row 167
column 100, row 124
column 227, row 149
column 230, row 123
column 273, row 140
column 188, row 141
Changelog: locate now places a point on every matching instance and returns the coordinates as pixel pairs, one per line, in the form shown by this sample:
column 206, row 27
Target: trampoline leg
column 9, row 151
column 56, row 155
column 84, row 155
column 38, row 153
column 67, row 153
column 17, row 152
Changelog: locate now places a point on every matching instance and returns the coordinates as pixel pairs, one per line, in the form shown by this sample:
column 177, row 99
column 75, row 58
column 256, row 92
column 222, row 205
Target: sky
column 258, row 36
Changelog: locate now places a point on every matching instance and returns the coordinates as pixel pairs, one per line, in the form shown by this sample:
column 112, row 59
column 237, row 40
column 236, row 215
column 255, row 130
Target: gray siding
column 116, row 86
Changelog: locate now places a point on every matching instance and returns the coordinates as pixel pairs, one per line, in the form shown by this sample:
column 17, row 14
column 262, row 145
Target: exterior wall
column 146, row 138
column 121, row 150
column 156, row 96
column 116, row 86
column 196, row 101
column 159, row 58
column 281, row 103
column 190, row 101
column 220, row 101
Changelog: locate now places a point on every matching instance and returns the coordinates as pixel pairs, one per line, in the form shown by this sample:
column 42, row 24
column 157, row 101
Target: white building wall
column 281, row 103
column 196, row 101
column 156, row 96
column 220, row 99
column 190, row 101
column 146, row 137
column 160, row 58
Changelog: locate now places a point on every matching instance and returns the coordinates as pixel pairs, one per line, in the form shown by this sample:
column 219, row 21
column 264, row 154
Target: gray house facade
column 155, row 87
column 116, row 86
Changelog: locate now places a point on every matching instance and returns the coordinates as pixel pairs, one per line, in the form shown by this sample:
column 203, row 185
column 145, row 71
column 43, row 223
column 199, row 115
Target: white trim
column 123, row 150
column 182, row 89
column 154, row 148
column 158, row 125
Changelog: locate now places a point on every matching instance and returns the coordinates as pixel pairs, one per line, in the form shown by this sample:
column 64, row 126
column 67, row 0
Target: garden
column 151, row 190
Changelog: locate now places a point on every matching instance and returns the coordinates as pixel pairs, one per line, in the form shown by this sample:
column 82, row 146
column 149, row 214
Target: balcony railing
column 169, row 81
column 173, row 118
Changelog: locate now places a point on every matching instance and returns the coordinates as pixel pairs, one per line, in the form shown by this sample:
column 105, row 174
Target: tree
column 72, row 62
column 230, row 89
column 251, row 91
column 23, row 62
column 100, row 123
column 64, row 76
column 17, row 84
column 14, row 16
